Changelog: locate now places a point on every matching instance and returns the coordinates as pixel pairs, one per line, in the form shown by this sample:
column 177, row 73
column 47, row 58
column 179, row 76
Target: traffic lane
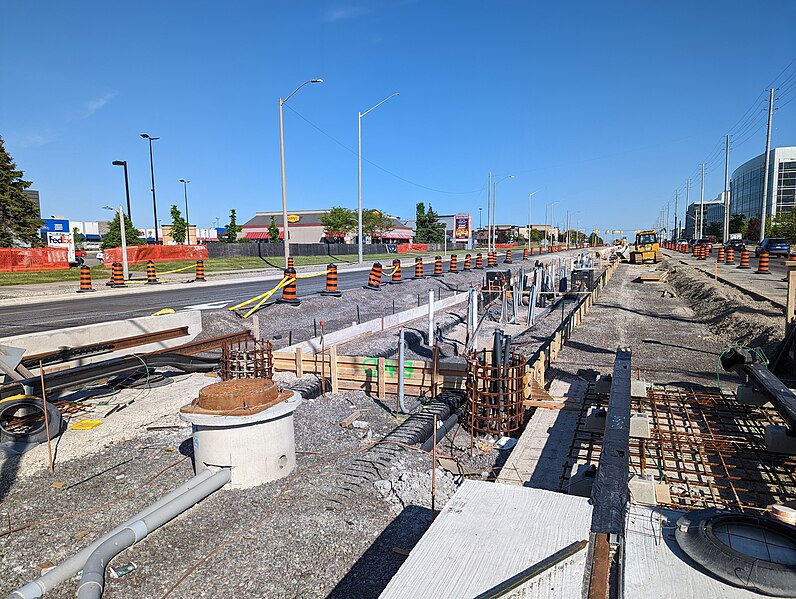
column 17, row 320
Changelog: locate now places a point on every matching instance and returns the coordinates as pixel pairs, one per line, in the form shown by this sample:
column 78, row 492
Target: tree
column 595, row 239
column 375, row 223
column 435, row 230
column 421, row 223
column 739, row 224
column 179, row 227
column 19, row 219
column 231, row 234
column 273, row 231
column 715, row 229
column 782, row 225
column 339, row 222
column 113, row 238
column 536, row 235
column 78, row 238
column 753, row 229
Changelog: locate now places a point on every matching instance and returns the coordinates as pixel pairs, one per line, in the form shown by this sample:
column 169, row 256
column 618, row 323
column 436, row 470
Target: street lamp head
column 184, row 181
column 316, row 80
column 119, row 162
column 149, row 137
column 108, row 208
column 145, row 136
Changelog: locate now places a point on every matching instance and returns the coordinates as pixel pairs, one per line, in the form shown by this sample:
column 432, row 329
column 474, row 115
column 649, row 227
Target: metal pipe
column 68, row 568
column 442, row 431
column 92, row 581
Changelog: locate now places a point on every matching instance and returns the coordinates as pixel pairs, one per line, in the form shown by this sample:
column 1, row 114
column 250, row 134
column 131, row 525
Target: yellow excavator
column 646, row 248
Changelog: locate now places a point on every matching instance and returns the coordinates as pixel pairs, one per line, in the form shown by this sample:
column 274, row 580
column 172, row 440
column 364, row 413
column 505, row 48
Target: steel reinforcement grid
column 706, row 448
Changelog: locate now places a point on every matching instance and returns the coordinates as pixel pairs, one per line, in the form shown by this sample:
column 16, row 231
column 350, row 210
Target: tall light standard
column 494, row 207
column 528, row 230
column 122, row 229
column 359, row 172
column 187, row 222
column 282, row 158
column 152, row 172
column 480, row 226
column 551, row 221
column 126, row 184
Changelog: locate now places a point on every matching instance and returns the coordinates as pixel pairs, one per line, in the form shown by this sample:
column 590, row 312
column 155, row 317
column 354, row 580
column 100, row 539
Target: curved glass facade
column 746, row 184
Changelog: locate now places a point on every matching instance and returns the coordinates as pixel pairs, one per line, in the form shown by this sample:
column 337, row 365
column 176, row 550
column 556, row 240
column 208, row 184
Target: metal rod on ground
column 533, row 571
column 46, row 418
column 433, row 469
column 430, row 337
column 359, row 321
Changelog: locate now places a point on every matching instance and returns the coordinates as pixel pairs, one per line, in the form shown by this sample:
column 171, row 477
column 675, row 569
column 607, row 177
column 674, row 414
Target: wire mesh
column 246, row 359
column 495, row 394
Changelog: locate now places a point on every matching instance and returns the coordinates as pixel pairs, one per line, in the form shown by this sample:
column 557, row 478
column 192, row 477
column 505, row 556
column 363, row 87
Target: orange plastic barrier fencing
column 156, row 253
column 405, row 248
column 32, row 259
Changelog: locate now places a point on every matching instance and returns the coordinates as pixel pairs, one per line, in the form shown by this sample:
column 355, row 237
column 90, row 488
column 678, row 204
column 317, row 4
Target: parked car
column 100, row 256
column 80, row 253
column 775, row 246
column 735, row 245
column 706, row 243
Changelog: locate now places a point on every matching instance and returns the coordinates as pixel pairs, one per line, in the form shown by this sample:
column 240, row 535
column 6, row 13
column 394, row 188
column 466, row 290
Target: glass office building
column 746, row 184
column 714, row 213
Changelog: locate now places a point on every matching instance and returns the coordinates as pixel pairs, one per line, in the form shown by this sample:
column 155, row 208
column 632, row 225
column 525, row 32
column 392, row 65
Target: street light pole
column 126, row 184
column 123, row 232
column 528, row 230
column 285, row 232
column 359, row 173
column 187, row 222
column 152, row 172
column 494, row 208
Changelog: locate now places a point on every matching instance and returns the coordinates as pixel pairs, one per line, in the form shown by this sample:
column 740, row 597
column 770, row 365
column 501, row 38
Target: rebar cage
column 495, row 394
column 250, row 358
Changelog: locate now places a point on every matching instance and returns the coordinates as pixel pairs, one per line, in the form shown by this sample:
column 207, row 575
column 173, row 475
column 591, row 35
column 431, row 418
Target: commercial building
column 305, row 226
column 713, row 213
column 746, row 184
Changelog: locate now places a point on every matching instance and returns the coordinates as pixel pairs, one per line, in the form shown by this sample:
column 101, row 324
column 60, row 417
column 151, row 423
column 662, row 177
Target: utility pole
column 676, row 230
column 488, row 213
column 765, row 171
column 688, row 199
column 726, row 189
column 702, row 202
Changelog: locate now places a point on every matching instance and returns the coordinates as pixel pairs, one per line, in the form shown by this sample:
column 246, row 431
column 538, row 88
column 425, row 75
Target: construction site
column 584, row 422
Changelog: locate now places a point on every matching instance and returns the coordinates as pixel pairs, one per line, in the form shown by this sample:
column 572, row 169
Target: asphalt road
column 22, row 319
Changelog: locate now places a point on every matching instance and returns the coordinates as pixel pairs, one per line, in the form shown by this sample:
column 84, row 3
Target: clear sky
column 604, row 107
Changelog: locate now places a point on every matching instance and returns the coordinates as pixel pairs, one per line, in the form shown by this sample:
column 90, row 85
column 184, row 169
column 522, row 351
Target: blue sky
column 604, row 107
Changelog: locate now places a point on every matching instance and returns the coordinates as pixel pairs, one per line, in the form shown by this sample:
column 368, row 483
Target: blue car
column 775, row 246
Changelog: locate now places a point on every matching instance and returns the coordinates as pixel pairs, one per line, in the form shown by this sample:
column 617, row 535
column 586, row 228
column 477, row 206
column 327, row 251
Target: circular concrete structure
column 245, row 424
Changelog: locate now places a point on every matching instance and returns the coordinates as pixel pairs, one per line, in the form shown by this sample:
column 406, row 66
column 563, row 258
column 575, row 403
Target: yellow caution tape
column 254, row 299
column 85, row 425
column 267, row 295
column 168, row 272
column 314, row 274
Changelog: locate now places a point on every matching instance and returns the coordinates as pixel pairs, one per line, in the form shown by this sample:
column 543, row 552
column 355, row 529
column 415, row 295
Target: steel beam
column 780, row 396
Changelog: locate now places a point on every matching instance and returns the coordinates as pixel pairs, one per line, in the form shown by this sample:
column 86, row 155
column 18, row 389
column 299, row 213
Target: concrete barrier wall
column 53, row 340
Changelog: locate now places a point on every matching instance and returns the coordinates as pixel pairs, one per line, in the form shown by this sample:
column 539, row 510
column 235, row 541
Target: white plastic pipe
column 65, row 570
column 430, row 337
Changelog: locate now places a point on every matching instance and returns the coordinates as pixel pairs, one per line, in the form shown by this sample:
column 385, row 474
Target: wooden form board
column 379, row 376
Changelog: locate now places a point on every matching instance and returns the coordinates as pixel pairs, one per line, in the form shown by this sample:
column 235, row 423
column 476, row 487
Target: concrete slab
column 541, row 450
column 656, row 567
column 489, row 532
column 34, row 343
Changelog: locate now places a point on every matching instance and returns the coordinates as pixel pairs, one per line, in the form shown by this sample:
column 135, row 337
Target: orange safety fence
column 504, row 246
column 405, row 248
column 32, row 259
column 156, row 253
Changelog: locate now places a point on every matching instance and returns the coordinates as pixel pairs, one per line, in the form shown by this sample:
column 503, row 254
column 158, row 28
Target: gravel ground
column 672, row 342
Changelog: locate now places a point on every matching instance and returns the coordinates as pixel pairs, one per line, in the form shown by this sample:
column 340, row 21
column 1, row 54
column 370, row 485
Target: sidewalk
column 770, row 287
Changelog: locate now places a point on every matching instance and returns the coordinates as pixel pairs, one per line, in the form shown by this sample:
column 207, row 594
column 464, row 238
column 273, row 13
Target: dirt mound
column 730, row 314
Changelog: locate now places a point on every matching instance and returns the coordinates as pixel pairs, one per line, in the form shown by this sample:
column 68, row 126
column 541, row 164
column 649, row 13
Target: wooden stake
column 333, row 368
column 323, row 363
column 46, row 418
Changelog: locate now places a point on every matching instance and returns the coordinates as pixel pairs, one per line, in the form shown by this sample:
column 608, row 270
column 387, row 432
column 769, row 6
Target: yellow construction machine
column 646, row 248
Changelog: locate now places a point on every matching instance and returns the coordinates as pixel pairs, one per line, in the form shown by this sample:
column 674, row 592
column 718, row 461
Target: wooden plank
column 381, row 374
column 333, row 368
column 348, row 420
column 299, row 368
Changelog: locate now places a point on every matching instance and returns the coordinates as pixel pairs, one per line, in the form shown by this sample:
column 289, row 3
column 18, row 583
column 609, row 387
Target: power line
column 381, row 168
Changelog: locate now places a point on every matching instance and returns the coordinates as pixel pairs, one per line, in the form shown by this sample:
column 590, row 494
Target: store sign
column 62, row 240
column 293, row 218
column 461, row 226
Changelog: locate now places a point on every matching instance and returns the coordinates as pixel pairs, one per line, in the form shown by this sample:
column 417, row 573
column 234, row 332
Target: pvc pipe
column 442, row 430
column 92, row 581
column 65, row 570
column 430, row 338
